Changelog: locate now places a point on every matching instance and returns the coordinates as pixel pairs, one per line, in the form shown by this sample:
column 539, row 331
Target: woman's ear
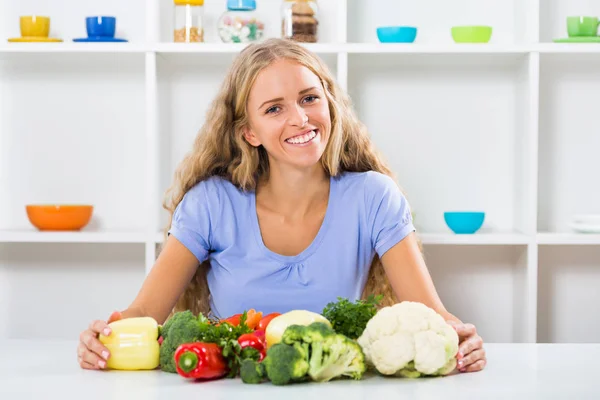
column 250, row 136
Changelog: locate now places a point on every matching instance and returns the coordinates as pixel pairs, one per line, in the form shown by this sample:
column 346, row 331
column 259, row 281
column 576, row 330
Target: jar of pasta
column 189, row 24
column 240, row 23
column 300, row 20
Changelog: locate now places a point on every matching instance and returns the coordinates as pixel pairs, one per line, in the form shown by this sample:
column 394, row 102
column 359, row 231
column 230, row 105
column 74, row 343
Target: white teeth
column 302, row 139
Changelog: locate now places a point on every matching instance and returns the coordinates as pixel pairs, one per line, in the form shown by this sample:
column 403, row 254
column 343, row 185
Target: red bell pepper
column 254, row 341
column 234, row 320
column 264, row 322
column 200, row 360
column 261, row 335
column 252, row 319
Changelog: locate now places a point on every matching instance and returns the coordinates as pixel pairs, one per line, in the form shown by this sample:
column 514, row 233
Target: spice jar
column 300, row 20
column 189, row 25
column 240, row 23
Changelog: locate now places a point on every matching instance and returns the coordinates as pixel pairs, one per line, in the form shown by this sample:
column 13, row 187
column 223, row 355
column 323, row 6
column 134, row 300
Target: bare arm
column 405, row 267
column 167, row 280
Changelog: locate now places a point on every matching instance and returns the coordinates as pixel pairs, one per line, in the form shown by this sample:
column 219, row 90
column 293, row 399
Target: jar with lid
column 189, row 24
column 300, row 20
column 240, row 23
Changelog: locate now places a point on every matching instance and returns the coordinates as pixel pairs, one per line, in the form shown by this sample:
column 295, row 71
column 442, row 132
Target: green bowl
column 471, row 34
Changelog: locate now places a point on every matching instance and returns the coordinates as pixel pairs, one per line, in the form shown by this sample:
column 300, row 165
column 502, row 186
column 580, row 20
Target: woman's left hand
column 471, row 354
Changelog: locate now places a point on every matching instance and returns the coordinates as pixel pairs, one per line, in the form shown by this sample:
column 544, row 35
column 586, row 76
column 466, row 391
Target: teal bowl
column 396, row 34
column 464, row 222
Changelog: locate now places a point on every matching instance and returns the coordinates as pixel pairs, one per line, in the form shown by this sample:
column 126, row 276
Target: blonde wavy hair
column 220, row 149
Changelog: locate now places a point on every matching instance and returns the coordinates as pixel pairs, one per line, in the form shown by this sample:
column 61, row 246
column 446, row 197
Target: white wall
column 459, row 130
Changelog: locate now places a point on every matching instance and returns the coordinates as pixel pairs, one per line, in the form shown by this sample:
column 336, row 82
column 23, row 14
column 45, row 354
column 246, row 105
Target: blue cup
column 100, row 26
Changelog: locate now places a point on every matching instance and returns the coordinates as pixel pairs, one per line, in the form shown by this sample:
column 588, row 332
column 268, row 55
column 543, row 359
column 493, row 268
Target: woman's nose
column 298, row 116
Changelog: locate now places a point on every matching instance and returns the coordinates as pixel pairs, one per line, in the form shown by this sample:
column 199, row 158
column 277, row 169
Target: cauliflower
column 409, row 339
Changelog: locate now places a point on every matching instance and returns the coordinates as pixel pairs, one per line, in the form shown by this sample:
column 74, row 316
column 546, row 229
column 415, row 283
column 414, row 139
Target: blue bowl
column 464, row 222
column 396, row 34
column 100, row 26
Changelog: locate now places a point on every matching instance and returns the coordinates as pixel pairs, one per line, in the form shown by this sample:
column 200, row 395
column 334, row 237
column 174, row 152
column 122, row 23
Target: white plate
column 586, row 228
column 587, row 219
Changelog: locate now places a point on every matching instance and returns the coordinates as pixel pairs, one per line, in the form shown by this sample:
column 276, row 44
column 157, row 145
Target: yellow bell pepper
column 133, row 344
column 279, row 324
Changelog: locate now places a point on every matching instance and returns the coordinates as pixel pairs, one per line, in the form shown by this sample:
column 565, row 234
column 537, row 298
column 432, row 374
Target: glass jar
column 300, row 20
column 189, row 24
column 240, row 23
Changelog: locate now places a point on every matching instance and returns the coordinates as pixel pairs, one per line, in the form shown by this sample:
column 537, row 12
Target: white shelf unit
column 506, row 127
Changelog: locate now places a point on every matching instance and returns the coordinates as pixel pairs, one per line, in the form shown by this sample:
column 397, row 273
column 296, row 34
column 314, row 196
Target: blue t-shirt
column 366, row 213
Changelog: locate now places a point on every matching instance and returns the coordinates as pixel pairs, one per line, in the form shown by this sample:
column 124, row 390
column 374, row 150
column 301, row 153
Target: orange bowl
column 59, row 217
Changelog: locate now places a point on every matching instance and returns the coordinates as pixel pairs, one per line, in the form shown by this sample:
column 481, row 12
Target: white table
column 48, row 370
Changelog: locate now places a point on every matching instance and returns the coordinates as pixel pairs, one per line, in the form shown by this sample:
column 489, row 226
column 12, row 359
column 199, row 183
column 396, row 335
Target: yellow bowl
column 35, row 25
column 59, row 217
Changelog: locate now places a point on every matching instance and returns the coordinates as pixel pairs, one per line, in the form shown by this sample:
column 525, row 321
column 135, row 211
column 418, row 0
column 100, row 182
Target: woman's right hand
column 91, row 353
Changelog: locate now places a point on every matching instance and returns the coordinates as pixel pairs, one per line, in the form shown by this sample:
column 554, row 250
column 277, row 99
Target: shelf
column 361, row 48
column 475, row 239
column 202, row 48
column 167, row 48
column 567, row 48
column 31, row 236
column 568, row 239
column 73, row 47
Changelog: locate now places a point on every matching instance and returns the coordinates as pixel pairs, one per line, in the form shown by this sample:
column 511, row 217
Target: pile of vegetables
column 196, row 347
column 407, row 339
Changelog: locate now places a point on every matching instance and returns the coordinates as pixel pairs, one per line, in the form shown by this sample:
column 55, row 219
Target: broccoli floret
column 284, row 364
column 301, row 336
column 335, row 357
column 252, row 371
column 293, row 333
column 329, row 355
column 315, row 332
column 182, row 327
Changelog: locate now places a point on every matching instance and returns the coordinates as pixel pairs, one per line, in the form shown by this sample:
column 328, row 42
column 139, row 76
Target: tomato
column 262, row 325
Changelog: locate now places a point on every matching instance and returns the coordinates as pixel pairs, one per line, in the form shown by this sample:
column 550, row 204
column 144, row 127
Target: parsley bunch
column 225, row 336
column 350, row 319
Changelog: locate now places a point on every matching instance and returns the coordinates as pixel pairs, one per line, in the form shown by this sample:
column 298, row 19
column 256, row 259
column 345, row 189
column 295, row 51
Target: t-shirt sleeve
column 192, row 223
column 390, row 217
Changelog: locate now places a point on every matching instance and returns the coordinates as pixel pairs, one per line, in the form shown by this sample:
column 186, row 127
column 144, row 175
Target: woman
column 284, row 204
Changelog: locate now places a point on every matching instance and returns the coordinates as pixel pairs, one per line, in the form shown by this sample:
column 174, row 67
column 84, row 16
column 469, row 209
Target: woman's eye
column 310, row 98
column 271, row 110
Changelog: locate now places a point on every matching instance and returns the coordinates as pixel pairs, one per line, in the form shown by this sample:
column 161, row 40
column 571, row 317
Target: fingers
column 465, row 330
column 471, row 359
column 88, row 359
column 469, row 345
column 91, row 353
column 94, row 345
column 477, row 366
column 99, row 326
column 86, row 365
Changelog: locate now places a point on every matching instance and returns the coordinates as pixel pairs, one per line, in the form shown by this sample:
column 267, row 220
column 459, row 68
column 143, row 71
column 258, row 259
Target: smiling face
column 288, row 115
